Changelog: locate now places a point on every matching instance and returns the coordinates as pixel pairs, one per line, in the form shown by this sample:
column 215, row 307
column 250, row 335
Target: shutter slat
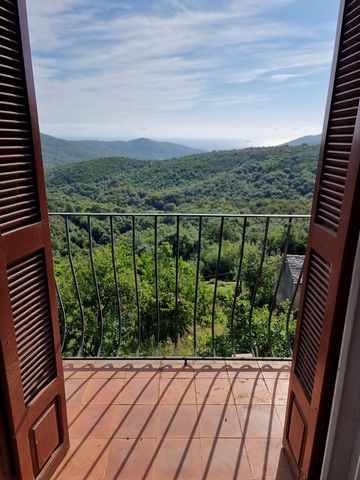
column 36, row 371
column 30, row 292
column 19, row 197
column 21, row 310
column 309, row 343
column 352, row 10
column 28, row 278
column 20, row 221
column 31, row 341
column 341, row 155
column 16, row 150
column 330, row 200
column 28, row 348
column 29, row 314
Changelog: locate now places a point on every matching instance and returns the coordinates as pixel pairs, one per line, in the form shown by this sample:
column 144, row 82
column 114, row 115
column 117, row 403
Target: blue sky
column 215, row 73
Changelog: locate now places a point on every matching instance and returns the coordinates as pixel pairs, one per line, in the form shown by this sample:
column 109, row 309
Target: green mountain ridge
column 308, row 139
column 57, row 152
column 257, row 180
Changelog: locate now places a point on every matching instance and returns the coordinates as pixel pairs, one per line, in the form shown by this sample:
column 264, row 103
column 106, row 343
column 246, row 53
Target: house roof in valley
column 295, row 263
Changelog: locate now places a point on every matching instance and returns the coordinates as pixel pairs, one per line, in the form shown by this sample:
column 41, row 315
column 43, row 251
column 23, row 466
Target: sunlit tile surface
column 164, row 420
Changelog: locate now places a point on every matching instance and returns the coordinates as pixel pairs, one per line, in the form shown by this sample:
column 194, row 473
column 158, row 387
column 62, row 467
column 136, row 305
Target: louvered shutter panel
column 30, row 353
column 333, row 234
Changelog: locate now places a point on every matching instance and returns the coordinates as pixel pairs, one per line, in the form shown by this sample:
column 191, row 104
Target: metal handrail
column 244, row 225
column 170, row 214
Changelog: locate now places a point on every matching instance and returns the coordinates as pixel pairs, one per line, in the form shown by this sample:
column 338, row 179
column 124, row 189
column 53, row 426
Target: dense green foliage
column 256, row 180
column 173, row 328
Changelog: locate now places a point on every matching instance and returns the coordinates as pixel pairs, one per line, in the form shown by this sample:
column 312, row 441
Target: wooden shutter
column 334, row 230
column 30, row 351
column 5, row 458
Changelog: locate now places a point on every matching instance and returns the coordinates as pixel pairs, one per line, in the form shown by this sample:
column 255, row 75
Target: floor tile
column 177, row 390
column 273, row 369
column 142, row 373
column 92, row 421
column 243, row 369
column 77, row 369
column 281, row 411
column 176, row 369
column 136, row 421
column 210, row 369
column 130, row 460
column 140, row 391
column 102, row 391
column 110, row 369
column 267, row 459
column 251, row 391
column 79, row 464
column 74, row 390
column 219, row 421
column 143, row 369
column 215, row 391
column 165, row 420
column 178, row 458
column 141, row 364
column 260, row 421
column 225, row 458
column 278, row 389
column 178, row 421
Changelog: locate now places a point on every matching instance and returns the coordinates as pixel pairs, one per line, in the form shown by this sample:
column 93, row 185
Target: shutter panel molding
column 333, row 234
column 31, row 384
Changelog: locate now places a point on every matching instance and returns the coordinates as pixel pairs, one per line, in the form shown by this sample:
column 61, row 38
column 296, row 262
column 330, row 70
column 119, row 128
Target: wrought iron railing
column 269, row 237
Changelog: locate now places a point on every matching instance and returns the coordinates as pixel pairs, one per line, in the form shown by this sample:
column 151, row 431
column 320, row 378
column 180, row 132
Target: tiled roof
column 295, row 263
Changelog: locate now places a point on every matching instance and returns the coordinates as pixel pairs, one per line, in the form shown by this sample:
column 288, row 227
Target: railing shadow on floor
column 109, row 370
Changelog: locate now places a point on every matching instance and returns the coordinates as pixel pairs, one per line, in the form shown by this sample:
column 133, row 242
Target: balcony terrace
column 175, row 332
column 199, row 416
column 153, row 419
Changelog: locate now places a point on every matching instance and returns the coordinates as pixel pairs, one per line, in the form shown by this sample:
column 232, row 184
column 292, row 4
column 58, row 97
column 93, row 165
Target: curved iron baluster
column 215, row 286
column 177, row 282
column 96, row 286
column 291, row 307
column 136, row 283
column 197, row 282
column 156, row 283
column 237, row 292
column 116, row 284
column 273, row 301
column 257, row 283
column 82, row 317
column 61, row 303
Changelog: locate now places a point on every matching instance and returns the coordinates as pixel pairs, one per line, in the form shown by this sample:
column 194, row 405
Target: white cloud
column 282, row 77
column 119, row 68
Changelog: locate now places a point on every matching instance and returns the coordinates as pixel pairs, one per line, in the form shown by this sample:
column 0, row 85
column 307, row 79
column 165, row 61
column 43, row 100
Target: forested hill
column 268, row 180
column 57, row 151
column 309, row 139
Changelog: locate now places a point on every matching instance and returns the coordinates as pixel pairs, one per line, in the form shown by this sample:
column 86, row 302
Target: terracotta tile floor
column 164, row 421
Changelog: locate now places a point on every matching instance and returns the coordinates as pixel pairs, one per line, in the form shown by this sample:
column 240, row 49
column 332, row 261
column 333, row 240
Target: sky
column 209, row 73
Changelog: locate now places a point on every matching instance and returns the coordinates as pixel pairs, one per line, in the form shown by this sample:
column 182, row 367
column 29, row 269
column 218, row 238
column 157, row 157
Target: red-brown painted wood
column 334, row 230
column 32, row 380
column 6, row 468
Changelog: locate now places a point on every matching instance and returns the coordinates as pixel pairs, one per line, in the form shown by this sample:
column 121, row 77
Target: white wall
column 342, row 452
